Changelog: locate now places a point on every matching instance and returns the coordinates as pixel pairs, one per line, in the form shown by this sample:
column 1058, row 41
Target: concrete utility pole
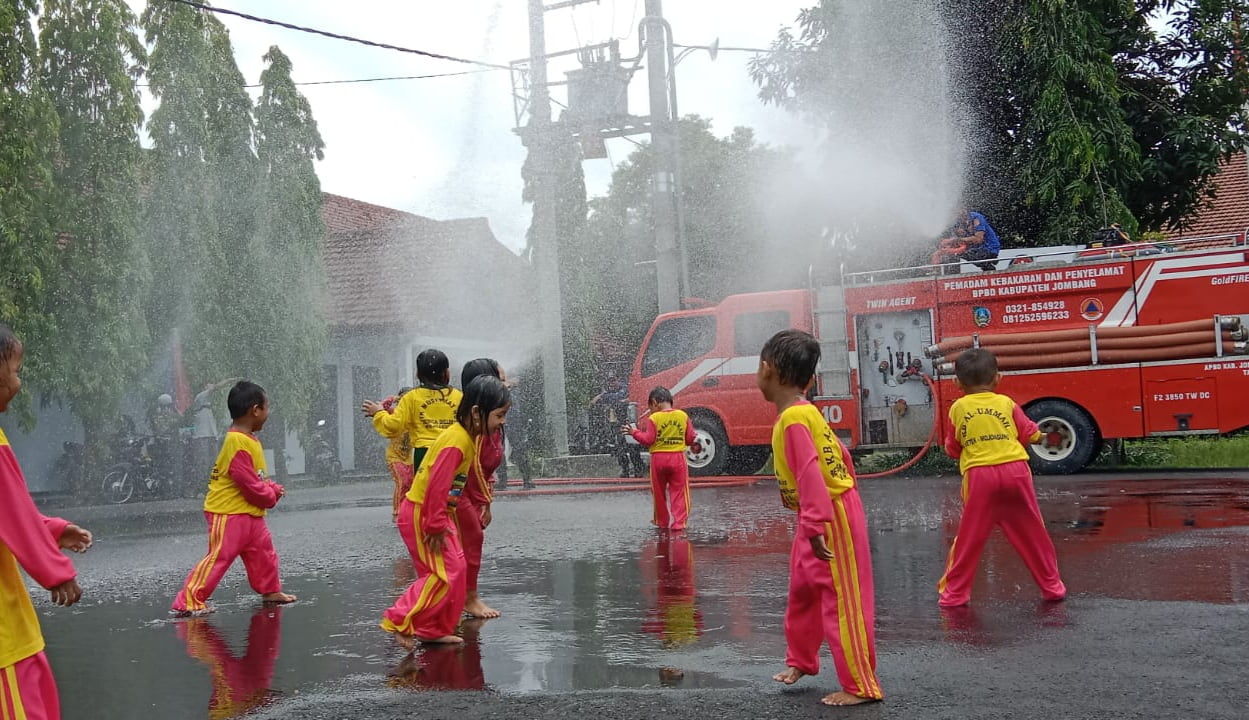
column 538, row 138
column 663, row 137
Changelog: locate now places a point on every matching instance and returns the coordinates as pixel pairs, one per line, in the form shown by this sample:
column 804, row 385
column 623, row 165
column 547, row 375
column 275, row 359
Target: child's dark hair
column 660, row 395
column 476, row 368
column 8, row 343
column 795, row 355
column 976, row 367
column 487, row 393
column 243, row 397
column 431, row 368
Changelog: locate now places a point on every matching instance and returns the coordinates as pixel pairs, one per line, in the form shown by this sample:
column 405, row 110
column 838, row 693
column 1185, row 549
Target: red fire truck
column 1141, row 340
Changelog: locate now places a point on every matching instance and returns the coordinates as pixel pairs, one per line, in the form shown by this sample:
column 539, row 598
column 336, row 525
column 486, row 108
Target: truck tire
column 1075, row 440
column 709, row 455
column 748, row 459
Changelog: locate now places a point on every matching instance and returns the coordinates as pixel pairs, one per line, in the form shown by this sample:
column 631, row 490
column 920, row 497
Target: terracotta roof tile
column 343, row 214
column 1228, row 212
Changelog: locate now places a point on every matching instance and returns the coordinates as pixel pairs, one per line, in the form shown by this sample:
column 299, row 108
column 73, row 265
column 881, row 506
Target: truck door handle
column 711, row 382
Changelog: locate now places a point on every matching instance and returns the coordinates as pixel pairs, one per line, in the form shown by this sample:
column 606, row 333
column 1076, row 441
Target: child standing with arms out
column 239, row 493
column 830, row 566
column 398, row 458
column 667, row 432
column 429, row 610
column 422, row 413
column 988, row 435
column 472, row 515
column 28, row 539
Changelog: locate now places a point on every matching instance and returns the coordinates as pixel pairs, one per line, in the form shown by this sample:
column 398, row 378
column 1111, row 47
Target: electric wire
column 337, row 36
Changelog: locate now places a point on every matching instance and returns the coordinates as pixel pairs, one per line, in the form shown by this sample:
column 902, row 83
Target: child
column 422, row 413
column 830, row 565
column 472, row 515
column 430, row 608
column 987, row 435
column 398, row 458
column 239, row 492
column 668, row 432
column 27, row 538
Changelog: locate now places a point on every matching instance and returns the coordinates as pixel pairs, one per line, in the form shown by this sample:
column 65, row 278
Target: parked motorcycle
column 136, row 472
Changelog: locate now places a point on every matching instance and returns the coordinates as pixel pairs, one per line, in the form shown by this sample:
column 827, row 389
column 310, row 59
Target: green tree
column 201, row 207
column 290, row 236
column 28, row 134
column 90, row 59
column 1083, row 113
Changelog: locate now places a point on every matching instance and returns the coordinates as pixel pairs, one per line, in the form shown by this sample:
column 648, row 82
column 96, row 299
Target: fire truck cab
column 1096, row 344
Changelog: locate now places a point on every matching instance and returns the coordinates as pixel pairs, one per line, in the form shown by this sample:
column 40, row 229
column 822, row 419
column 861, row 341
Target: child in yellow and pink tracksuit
column 398, row 458
column 239, row 493
column 429, row 610
column 988, row 434
column 28, row 539
column 667, row 432
column 830, row 566
column 472, row 513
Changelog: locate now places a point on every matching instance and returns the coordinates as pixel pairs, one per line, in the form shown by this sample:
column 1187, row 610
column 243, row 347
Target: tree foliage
column 1080, row 113
column 28, row 139
column 90, row 59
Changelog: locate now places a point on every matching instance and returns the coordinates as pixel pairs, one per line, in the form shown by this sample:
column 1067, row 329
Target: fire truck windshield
column 678, row 340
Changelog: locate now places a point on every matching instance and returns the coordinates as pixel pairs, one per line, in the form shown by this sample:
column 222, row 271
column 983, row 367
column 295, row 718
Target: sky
column 444, row 147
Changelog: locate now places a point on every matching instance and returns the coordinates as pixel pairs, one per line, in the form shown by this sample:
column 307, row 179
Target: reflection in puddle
column 240, row 684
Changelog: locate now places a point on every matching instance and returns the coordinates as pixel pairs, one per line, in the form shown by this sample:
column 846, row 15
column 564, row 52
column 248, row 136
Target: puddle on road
column 701, row 611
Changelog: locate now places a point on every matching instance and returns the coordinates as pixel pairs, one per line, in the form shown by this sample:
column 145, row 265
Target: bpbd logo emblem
column 1091, row 309
column 981, row 316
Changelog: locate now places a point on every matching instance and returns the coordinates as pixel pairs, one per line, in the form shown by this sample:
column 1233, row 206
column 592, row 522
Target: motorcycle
column 136, row 472
column 324, row 457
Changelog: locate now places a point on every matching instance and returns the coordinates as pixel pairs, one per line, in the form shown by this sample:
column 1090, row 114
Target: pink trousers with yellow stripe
column 834, row 601
column 28, row 690
column 670, row 485
column 430, row 607
column 231, row 537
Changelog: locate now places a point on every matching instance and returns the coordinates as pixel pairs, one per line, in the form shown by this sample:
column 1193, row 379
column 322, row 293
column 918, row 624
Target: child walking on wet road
column 424, row 412
column 472, row 514
column 398, row 458
column 830, row 566
column 429, row 610
column 988, row 434
column 667, row 432
column 239, row 493
column 28, row 539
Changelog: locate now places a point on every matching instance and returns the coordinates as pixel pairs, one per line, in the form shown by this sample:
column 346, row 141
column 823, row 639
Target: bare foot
column 789, row 676
column 478, row 609
column 278, row 598
column 206, row 610
column 444, row 640
column 843, row 698
column 406, row 641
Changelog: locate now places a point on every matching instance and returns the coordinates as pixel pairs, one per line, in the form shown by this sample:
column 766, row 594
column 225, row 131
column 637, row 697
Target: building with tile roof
column 1227, row 213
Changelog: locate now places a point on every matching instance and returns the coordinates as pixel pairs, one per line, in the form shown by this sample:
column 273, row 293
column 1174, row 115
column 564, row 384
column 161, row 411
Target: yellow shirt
column 24, row 530
column 240, row 492
column 671, row 429
column 455, row 437
column 423, row 413
column 989, row 429
column 805, row 418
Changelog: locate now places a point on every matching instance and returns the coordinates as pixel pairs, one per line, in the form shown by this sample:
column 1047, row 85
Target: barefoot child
column 473, row 510
column 429, row 610
column 667, row 432
column 398, row 458
column 239, row 493
column 830, row 565
column 422, row 413
column 988, row 434
column 28, row 539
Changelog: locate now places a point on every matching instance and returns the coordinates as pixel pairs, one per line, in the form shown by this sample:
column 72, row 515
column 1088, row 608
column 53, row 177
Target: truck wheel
column 709, row 455
column 748, row 459
column 1071, row 441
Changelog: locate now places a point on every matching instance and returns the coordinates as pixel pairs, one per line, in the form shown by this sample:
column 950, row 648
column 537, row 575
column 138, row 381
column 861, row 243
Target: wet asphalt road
column 605, row 618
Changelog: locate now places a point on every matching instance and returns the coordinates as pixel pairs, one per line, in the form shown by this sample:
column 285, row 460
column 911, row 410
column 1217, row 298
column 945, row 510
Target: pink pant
column 28, row 690
column 472, row 537
column 834, row 601
column 402, row 475
column 670, row 484
column 231, row 537
column 1000, row 495
column 431, row 606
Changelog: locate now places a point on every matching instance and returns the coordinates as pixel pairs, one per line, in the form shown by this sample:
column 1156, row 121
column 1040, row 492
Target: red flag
column 181, row 388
